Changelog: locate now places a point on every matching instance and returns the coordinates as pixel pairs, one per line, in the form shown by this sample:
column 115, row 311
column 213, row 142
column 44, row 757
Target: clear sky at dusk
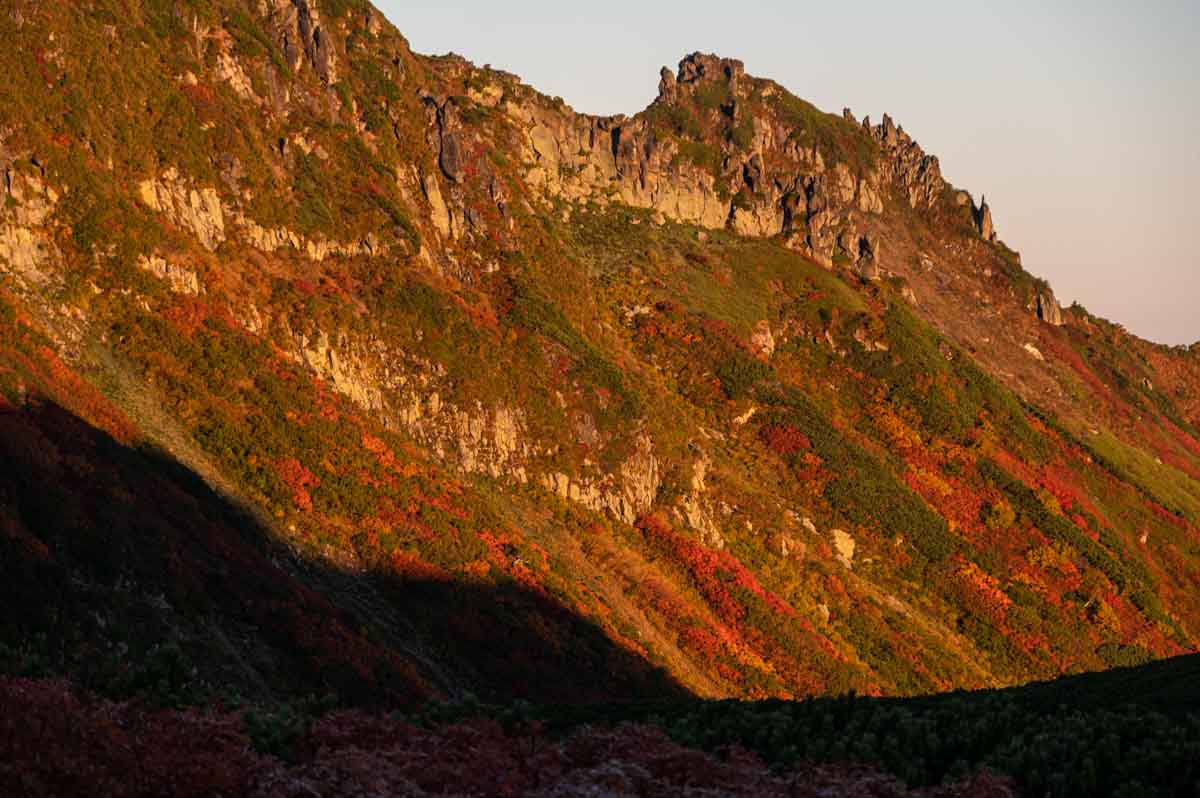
column 1078, row 120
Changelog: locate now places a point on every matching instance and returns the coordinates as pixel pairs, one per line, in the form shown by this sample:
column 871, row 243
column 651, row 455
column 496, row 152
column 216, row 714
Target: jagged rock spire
column 983, row 221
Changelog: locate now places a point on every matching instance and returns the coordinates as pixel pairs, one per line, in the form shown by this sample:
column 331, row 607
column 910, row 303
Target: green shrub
column 999, row 516
column 740, row 373
column 1119, row 655
column 703, row 155
column 280, row 730
column 166, row 677
column 743, row 134
column 712, row 95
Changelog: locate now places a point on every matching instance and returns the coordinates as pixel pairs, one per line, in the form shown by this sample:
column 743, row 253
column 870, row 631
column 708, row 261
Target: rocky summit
column 332, row 369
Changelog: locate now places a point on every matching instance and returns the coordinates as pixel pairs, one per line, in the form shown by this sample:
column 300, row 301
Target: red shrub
column 784, row 439
column 298, row 479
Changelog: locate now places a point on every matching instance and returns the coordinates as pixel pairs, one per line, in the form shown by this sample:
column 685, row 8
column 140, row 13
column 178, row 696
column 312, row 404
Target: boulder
column 868, row 257
column 761, row 340
column 844, row 547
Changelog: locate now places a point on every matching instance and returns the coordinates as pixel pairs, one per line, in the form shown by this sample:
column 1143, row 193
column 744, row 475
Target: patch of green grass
column 534, row 313
column 742, row 134
column 944, row 386
column 677, row 119
column 834, row 137
column 740, row 283
column 1171, row 488
column 711, row 95
column 702, row 155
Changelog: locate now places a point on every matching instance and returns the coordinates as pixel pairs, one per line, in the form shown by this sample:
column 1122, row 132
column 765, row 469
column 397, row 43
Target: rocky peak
column 666, row 82
column 699, row 69
column 706, row 67
column 917, row 173
column 719, row 148
column 983, row 221
column 889, row 134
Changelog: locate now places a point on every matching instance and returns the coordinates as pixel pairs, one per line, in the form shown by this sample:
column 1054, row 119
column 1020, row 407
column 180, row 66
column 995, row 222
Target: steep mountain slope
column 731, row 397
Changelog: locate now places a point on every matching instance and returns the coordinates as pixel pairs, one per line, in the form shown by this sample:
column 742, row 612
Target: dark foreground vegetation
column 1130, row 731
column 1127, row 732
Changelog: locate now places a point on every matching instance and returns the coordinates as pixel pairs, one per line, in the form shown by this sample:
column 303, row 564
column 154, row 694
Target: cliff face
column 748, row 387
column 719, row 149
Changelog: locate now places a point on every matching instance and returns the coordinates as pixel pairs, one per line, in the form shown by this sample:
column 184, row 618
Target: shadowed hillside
column 126, row 573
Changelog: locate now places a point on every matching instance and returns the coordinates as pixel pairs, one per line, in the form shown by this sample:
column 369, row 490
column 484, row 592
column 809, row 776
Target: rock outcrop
column 475, row 199
column 762, row 341
column 229, row 70
column 477, row 439
column 439, row 214
column 315, row 249
column 844, row 546
column 298, row 29
column 627, row 494
column 867, row 257
column 908, row 167
column 1048, row 309
column 198, row 210
column 26, row 204
column 180, row 279
column 756, row 167
column 983, row 222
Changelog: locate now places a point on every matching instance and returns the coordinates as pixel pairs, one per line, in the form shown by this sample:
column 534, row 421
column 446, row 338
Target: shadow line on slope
column 122, row 569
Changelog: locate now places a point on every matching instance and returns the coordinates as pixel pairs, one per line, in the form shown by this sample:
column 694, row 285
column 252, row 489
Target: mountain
column 329, row 366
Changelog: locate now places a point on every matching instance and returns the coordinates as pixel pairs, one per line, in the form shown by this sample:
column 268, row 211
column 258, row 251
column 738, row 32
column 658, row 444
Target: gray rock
column 703, row 66
column 983, row 222
column 868, row 257
column 299, row 31
column 666, row 83
column 1048, row 309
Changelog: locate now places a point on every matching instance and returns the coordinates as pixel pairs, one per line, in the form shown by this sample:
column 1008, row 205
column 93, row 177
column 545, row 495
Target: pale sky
column 1078, row 120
